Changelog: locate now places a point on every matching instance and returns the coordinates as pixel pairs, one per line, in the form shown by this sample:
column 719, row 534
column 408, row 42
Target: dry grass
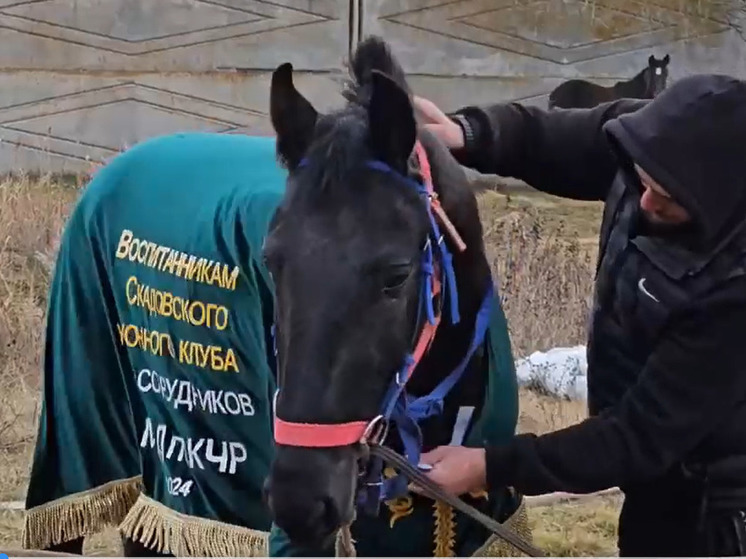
column 542, row 254
column 541, row 251
column 31, row 215
column 586, row 529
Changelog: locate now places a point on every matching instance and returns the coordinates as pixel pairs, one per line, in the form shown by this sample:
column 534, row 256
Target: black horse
column 581, row 94
column 345, row 249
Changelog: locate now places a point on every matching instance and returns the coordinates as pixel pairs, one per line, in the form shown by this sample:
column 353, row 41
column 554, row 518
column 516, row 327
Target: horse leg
column 134, row 548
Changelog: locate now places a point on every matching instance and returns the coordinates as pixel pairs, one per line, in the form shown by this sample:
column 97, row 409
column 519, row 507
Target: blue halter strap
column 403, row 410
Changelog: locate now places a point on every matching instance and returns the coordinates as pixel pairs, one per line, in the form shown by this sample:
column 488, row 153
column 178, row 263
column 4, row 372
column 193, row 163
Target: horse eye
column 395, row 277
column 270, row 253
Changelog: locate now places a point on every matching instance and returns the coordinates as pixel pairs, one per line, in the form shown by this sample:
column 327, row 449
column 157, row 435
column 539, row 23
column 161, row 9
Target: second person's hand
column 437, row 122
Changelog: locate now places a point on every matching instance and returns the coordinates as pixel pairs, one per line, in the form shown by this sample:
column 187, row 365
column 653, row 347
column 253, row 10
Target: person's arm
column 564, row 152
column 693, row 381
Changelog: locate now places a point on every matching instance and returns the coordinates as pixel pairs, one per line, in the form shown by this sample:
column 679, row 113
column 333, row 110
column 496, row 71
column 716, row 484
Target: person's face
column 657, row 205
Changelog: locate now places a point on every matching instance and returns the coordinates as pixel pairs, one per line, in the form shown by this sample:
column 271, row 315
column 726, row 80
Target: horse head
column 370, row 287
column 656, row 75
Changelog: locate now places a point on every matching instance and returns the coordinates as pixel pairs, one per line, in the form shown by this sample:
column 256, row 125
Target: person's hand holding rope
column 457, row 469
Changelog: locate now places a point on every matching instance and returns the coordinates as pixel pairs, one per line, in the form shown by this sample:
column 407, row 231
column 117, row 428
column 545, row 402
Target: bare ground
column 541, row 249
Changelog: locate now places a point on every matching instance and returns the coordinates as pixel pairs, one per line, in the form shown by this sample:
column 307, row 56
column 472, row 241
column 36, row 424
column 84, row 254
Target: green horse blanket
column 415, row 526
column 158, row 369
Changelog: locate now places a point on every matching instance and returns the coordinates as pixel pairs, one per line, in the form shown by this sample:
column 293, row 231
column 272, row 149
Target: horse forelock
column 340, row 146
column 371, row 54
column 333, row 160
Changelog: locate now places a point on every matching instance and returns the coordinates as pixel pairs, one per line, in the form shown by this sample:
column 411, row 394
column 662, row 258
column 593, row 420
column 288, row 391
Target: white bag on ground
column 561, row 371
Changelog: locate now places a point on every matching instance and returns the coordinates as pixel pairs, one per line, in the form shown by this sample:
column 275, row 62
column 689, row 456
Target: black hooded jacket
column 667, row 342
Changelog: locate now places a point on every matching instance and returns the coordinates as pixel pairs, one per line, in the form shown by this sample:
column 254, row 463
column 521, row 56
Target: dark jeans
column 675, row 524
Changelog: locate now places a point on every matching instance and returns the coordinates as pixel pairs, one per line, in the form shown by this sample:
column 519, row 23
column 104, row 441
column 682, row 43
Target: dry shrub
column 545, row 280
column 545, row 277
column 32, row 213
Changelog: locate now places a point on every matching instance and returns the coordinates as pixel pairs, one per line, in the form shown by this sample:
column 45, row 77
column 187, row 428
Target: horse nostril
column 331, row 516
column 321, row 520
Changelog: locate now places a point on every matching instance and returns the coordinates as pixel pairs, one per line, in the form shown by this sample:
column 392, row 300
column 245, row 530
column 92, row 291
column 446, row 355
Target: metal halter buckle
column 376, row 431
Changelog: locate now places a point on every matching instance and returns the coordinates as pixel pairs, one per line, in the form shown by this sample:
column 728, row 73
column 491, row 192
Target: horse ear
column 651, row 60
column 392, row 126
column 666, row 59
column 293, row 117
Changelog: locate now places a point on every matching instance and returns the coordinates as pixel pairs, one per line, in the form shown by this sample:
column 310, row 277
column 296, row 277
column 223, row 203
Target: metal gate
column 82, row 79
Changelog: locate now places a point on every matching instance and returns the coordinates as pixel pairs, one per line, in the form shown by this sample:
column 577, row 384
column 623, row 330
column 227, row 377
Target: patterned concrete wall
column 522, row 49
column 81, row 79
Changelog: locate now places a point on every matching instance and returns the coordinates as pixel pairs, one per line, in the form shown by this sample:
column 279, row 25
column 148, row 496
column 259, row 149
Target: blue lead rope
column 406, row 411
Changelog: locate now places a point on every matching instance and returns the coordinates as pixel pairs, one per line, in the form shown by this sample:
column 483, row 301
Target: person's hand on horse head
column 457, row 469
column 436, row 121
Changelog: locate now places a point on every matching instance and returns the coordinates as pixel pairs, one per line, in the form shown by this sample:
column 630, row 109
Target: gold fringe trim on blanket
column 495, row 546
column 166, row 531
column 79, row 515
column 444, row 530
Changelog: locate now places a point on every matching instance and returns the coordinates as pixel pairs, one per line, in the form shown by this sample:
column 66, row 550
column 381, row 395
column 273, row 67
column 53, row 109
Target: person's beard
column 651, row 227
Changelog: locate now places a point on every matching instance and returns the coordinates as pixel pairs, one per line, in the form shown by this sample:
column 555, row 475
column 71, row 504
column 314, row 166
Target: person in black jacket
column 667, row 340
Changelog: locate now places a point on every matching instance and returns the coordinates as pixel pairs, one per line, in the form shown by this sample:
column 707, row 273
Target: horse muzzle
column 310, row 492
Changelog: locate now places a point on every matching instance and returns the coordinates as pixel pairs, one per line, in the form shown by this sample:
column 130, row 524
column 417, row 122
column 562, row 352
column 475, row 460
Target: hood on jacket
column 691, row 139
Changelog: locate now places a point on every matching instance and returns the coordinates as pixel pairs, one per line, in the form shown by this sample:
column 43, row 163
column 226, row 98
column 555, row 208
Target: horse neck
column 634, row 87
